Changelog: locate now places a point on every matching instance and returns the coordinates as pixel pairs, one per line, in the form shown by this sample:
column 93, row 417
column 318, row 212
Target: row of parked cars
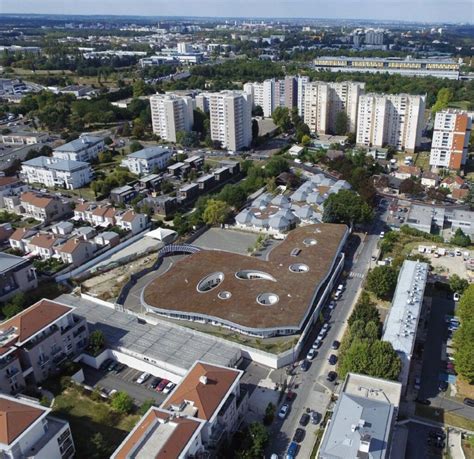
column 157, row 384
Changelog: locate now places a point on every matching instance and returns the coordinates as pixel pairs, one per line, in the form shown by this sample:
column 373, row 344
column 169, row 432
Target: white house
column 147, row 160
column 132, row 221
column 53, row 172
column 85, row 148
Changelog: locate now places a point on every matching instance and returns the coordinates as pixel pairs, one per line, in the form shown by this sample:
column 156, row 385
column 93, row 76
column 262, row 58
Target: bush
column 460, row 239
column 382, row 281
column 122, row 402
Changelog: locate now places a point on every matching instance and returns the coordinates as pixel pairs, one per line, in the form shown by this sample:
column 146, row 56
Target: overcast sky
column 411, row 10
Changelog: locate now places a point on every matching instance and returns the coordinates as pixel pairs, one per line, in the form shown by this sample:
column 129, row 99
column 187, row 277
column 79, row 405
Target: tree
column 306, row 140
column 457, row 284
column 96, row 341
column 187, row 138
column 233, row 195
column 281, row 117
column 464, row 349
column 364, row 311
column 100, row 447
column 269, row 414
column 382, row 281
column 122, row 402
column 445, row 95
column 346, row 207
column 216, row 211
column 276, row 166
column 15, row 305
column 257, row 111
column 302, row 130
column 145, row 406
column 460, row 238
column 105, row 156
column 465, row 309
column 254, row 131
column 410, row 186
column 259, row 439
column 135, row 146
column 341, row 123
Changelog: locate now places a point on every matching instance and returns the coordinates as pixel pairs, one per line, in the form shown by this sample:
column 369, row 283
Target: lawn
column 88, row 417
column 468, row 447
column 444, row 417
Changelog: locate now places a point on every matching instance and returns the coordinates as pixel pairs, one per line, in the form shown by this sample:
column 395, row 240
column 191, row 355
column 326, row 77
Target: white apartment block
column 231, row 119
column 148, row 160
column 451, row 134
column 323, row 101
column 390, row 119
column 85, row 148
column 301, row 83
column 55, row 172
column 170, row 114
column 263, row 94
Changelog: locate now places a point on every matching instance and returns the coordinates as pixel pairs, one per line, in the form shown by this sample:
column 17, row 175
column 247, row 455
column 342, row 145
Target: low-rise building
column 188, row 192
column 86, row 149
column 150, row 182
column 148, row 160
column 62, row 228
column 42, row 207
column 132, row 221
column 23, row 138
column 425, row 218
column 29, row 430
column 55, row 172
column 75, row 251
column 107, row 239
column 430, row 179
column 20, row 238
column 37, row 340
column 43, row 245
column 404, row 172
column 16, row 275
column 162, row 205
column 453, row 183
column 123, row 194
column 464, row 220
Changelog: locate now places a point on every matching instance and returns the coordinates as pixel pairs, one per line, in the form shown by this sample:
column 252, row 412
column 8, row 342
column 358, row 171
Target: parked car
column 322, row 334
column 468, row 402
column 382, row 234
column 443, row 386
column 305, row 365
column 304, row 419
column 162, row 385
column 154, row 383
column 283, row 411
column 325, row 327
column 335, row 345
column 332, row 359
column 105, row 364
column 340, row 288
column 311, row 354
column 337, row 295
column 290, row 396
column 169, row 387
column 417, row 383
column 317, row 343
column 143, row 377
column 298, row 437
column 437, row 434
column 332, row 305
column 119, row 367
column 292, row 450
column 315, row 417
column 423, row 401
column 112, row 365
column 331, row 377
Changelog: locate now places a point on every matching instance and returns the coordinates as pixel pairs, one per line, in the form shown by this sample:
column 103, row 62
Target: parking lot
column 124, row 381
column 422, row 442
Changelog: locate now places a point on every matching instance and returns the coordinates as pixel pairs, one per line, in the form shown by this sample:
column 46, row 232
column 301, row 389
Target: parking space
column 124, row 381
column 424, row 442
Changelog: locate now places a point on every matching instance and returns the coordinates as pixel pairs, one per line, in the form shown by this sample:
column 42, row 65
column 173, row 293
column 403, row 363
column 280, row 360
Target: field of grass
column 444, row 417
column 88, row 417
column 468, row 447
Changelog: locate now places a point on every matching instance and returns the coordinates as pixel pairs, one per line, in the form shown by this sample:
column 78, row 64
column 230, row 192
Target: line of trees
column 464, row 336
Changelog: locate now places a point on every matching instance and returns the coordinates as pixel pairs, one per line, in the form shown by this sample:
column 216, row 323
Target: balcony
column 76, row 321
column 43, row 361
column 5, row 361
column 80, row 330
column 46, row 334
column 58, row 359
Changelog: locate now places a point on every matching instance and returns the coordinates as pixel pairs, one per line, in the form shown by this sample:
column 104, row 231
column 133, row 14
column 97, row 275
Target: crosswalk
column 352, row 274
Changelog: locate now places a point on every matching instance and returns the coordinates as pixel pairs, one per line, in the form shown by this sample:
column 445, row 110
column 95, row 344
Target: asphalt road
column 312, row 389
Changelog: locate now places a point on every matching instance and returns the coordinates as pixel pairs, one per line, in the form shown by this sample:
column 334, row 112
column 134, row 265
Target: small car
column 162, row 385
column 154, row 383
column 106, row 364
column 443, row 386
column 325, row 327
column 112, row 365
column 335, row 345
column 331, row 377
column 456, row 296
column 292, row 450
column 317, row 344
column 332, row 359
column 305, row 365
column 298, row 437
column 311, row 354
column 468, row 402
column 337, row 295
column 283, row 411
column 143, row 377
column 169, row 387
column 382, row 234
column 119, row 367
column 424, row 401
column 304, row 419
column 315, row 417
column 332, row 305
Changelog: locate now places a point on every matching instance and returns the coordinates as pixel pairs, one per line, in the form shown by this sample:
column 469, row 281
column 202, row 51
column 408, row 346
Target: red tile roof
column 71, row 245
column 5, row 181
column 35, row 199
column 19, row 234
column 128, row 216
column 44, row 241
column 459, row 193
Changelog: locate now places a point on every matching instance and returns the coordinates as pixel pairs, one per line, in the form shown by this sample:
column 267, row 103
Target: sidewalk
column 455, row 446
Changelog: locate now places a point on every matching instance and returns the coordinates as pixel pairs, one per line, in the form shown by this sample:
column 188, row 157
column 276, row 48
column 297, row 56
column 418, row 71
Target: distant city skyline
column 403, row 10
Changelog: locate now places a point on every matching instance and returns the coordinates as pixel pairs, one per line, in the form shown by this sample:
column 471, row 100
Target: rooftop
column 150, row 153
column 8, row 262
column 84, row 141
column 56, row 164
column 159, row 435
column 36, row 199
column 251, row 292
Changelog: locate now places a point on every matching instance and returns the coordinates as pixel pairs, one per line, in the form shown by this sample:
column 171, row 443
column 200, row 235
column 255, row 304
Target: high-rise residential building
column 374, row 37
column 263, row 95
column 451, row 134
column 323, row 101
column 390, row 119
column 170, row 114
column 301, row 83
column 231, row 118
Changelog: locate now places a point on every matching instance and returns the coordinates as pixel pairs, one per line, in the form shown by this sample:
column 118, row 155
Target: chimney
column 203, row 379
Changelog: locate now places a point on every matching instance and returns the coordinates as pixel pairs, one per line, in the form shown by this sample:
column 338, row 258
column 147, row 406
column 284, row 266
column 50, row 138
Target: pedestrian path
column 352, row 274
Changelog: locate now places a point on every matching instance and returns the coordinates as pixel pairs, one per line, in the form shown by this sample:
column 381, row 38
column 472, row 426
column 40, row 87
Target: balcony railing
column 46, row 334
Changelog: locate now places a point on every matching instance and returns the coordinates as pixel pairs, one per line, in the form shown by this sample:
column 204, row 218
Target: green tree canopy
column 342, row 123
column 382, row 281
column 364, row 311
column 466, row 305
column 234, row 195
column 464, row 345
column 135, row 146
column 460, row 238
column 216, row 211
column 346, row 207
column 122, row 402
column 457, row 284
column 281, row 117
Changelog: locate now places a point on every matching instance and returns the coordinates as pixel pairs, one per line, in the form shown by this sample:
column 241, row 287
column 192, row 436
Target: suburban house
column 6, row 230
column 404, row 172
column 453, row 183
column 102, row 216
column 86, row 233
column 163, row 205
column 20, row 238
column 460, row 194
column 55, row 172
column 150, row 182
column 29, row 430
column 62, row 228
column 430, row 179
column 42, row 207
column 43, row 245
column 132, row 221
column 35, row 341
column 148, row 160
column 75, row 251
column 122, row 194
column 16, row 275
column 85, row 149
column 107, row 238
column 10, row 186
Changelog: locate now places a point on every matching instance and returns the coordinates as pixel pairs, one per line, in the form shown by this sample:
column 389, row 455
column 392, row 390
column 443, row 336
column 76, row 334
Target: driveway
column 417, row 443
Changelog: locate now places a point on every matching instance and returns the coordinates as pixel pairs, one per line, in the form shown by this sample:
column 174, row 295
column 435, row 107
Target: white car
column 332, row 305
column 169, row 387
column 340, row 288
column 338, row 294
column 325, row 327
column 283, row 411
column 382, row 234
column 317, row 344
column 142, row 378
column 311, row 354
column 456, row 296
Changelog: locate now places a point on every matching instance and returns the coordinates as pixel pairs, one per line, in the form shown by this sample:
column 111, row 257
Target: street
column 312, row 388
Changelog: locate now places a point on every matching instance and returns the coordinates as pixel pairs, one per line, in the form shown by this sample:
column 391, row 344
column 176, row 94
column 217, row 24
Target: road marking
column 352, row 274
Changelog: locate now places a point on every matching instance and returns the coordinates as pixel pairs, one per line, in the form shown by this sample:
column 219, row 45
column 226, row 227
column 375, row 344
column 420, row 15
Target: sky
column 408, row 10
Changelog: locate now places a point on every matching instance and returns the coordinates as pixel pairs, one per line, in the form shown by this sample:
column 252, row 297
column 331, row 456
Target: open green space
column 444, row 417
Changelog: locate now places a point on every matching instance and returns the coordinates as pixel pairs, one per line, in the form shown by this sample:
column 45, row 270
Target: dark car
column 335, row 344
column 119, row 367
column 154, row 383
column 304, row 419
column 298, row 437
column 437, row 434
column 112, row 365
column 163, row 383
column 315, row 417
column 468, row 402
column 305, row 365
column 332, row 359
column 332, row 375
column 423, row 401
column 106, row 364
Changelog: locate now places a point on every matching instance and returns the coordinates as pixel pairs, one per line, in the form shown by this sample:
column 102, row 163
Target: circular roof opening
column 210, row 282
column 310, row 241
column 299, row 268
column 247, row 274
column 267, row 299
column 224, row 295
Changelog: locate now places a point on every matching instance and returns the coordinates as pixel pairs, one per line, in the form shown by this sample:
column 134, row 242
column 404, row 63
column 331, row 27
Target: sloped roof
column 35, row 199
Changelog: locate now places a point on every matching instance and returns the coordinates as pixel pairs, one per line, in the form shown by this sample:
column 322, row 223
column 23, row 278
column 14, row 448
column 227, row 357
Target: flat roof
column 160, row 434
column 284, row 295
column 150, row 153
column 84, row 141
column 160, row 341
column 8, row 262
